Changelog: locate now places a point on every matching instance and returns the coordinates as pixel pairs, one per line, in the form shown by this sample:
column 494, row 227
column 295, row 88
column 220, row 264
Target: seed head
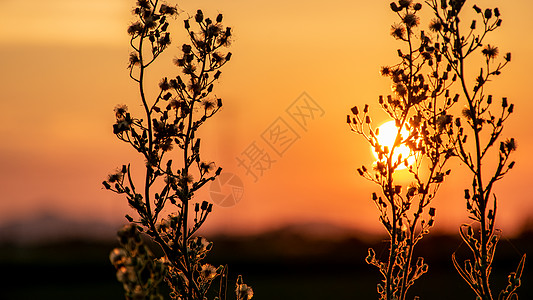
column 400, row 89
column 398, row 31
column 510, row 144
column 467, row 113
column 135, row 28
column 168, row 10
column 244, row 292
column 208, row 272
column 385, row 71
column 490, row 51
column 208, row 104
column 164, row 85
column 410, row 20
column 120, row 109
column 405, row 3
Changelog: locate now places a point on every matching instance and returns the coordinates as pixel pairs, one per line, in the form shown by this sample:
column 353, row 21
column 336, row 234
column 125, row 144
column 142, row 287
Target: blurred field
column 283, row 264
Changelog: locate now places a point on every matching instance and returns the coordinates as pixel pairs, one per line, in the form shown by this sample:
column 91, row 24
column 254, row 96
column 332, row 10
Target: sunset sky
column 63, row 70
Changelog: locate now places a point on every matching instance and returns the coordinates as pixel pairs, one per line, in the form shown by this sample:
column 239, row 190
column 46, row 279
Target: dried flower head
column 490, row 51
column 135, row 29
column 443, row 121
column 214, row 29
column 411, row 20
column 166, row 145
column 143, row 4
column 467, row 113
column 400, row 89
column 134, row 59
column 244, row 292
column 115, row 177
column 174, row 104
column 405, row 3
column 168, row 10
column 385, row 71
column 398, row 31
column 120, row 110
column 164, row 85
column 208, row 272
column 208, row 104
column 435, row 25
column 170, row 179
column 510, row 144
column 186, row 180
column 207, row 166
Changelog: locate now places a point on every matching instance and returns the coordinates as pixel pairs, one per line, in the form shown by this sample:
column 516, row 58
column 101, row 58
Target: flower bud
column 490, row 215
column 507, row 56
column 488, row 13
column 432, row 211
column 199, row 17
column 467, row 194
column 205, row 204
column 511, row 108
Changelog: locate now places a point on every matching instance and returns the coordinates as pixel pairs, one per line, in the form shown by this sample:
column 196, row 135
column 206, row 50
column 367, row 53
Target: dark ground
column 278, row 265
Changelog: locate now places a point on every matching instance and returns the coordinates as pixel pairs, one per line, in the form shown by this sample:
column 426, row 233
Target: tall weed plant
column 428, row 82
column 166, row 137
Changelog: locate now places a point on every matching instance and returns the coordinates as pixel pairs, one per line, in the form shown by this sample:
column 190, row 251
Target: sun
column 387, row 136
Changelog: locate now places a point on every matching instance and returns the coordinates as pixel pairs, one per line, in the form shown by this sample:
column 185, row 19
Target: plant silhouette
column 170, row 124
column 419, row 108
column 477, row 132
column 422, row 105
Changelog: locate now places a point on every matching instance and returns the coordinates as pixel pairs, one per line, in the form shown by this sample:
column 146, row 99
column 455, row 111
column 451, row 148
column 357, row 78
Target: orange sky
column 63, row 69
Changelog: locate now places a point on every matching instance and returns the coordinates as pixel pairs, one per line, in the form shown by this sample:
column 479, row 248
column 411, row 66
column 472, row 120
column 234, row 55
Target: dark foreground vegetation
column 283, row 264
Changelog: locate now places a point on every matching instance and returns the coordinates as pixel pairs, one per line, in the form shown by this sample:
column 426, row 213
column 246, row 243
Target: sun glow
column 386, row 137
